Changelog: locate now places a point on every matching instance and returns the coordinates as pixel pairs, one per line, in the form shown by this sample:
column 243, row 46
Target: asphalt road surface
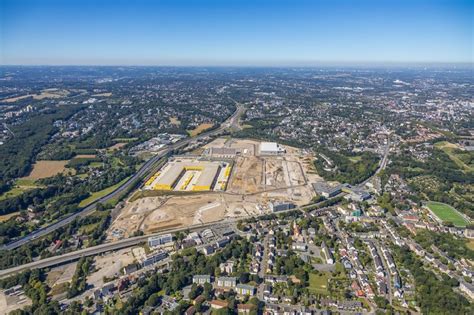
column 231, row 122
column 128, row 242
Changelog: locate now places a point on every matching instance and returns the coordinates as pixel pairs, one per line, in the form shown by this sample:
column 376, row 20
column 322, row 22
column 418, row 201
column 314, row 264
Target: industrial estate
column 231, row 178
column 185, row 174
column 148, row 190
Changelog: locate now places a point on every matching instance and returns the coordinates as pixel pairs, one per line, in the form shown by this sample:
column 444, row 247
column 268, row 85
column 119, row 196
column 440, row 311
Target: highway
column 132, row 241
column 382, row 164
column 95, row 250
column 231, row 122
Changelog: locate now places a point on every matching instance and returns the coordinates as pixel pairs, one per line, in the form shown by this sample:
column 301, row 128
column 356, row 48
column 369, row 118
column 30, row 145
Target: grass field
column 319, row 284
column 89, row 228
column 15, row 191
column 470, row 244
column 124, row 139
column 116, row 146
column 449, row 149
column 23, row 182
column 99, row 194
column 447, row 213
column 355, row 159
column 199, row 129
column 21, row 185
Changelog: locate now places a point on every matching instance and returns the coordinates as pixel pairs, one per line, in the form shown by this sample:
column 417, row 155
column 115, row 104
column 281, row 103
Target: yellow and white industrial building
column 190, row 174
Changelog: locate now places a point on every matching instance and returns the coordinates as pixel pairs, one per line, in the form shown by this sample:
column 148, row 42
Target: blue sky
column 228, row 32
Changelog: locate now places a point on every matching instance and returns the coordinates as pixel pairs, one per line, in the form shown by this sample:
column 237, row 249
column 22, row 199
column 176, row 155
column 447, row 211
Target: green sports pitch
column 447, row 213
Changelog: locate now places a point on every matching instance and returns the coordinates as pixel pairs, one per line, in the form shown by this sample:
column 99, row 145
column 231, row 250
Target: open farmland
column 45, row 169
column 446, row 213
column 48, row 93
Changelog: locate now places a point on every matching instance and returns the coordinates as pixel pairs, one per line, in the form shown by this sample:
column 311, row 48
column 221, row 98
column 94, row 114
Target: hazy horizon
column 235, row 33
column 321, row 65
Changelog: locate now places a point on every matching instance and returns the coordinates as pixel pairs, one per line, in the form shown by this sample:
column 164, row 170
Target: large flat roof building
column 270, row 148
column 191, row 175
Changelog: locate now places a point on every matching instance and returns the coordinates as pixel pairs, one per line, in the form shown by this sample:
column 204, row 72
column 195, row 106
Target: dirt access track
column 255, row 182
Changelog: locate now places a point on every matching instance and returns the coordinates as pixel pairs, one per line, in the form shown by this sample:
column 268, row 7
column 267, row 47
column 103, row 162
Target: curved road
column 132, row 241
column 232, row 121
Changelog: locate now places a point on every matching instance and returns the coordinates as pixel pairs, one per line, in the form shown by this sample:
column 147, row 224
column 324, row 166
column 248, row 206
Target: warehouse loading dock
column 190, row 174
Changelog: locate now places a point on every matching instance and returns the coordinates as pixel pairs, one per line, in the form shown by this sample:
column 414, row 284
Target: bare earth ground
column 61, row 274
column 7, row 217
column 11, row 303
column 109, row 266
column 175, row 121
column 199, row 129
column 85, row 156
column 44, row 169
column 116, row 146
column 255, row 182
column 247, row 177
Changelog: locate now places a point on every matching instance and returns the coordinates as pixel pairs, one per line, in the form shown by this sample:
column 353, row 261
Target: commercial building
column 271, row 148
column 327, row 191
column 224, row 152
column 154, row 258
column 358, row 196
column 281, row 206
column 186, row 174
column 155, row 241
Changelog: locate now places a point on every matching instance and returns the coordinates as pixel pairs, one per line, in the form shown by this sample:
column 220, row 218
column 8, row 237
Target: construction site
column 231, row 178
column 191, row 174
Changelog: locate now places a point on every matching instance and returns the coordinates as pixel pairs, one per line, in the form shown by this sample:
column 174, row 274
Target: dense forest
column 433, row 296
column 346, row 170
column 437, row 178
column 38, row 248
column 263, row 130
column 18, row 154
column 455, row 248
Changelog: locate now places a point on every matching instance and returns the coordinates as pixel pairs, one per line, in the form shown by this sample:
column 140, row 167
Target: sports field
column 447, row 213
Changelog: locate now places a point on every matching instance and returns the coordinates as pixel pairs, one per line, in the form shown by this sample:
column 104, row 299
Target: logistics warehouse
column 187, row 174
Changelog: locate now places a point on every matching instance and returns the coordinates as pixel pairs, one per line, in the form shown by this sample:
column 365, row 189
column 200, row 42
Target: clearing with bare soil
column 45, row 169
